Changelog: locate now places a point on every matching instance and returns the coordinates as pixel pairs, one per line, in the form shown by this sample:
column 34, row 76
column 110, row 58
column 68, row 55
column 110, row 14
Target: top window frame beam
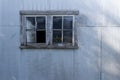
column 49, row 12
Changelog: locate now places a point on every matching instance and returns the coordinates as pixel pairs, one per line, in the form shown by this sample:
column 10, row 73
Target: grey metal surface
column 98, row 38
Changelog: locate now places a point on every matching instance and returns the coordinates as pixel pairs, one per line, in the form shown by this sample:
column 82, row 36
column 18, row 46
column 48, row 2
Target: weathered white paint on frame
column 98, row 38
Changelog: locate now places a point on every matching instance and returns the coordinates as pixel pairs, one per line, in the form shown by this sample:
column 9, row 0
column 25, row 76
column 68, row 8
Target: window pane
column 68, row 22
column 67, row 36
column 57, row 22
column 40, row 22
column 30, row 22
column 30, row 36
column 57, row 37
column 41, row 36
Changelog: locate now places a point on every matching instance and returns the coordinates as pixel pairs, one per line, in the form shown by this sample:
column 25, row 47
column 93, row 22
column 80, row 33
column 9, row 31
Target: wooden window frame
column 63, row 29
column 35, row 16
column 49, row 29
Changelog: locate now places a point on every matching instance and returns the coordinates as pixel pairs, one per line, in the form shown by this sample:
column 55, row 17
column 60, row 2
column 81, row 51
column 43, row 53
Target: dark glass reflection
column 68, row 22
column 30, row 22
column 40, row 22
column 41, row 36
column 57, row 22
column 57, row 37
column 67, row 36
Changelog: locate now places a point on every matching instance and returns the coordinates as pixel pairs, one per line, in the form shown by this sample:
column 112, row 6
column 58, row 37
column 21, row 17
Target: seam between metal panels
column 100, row 64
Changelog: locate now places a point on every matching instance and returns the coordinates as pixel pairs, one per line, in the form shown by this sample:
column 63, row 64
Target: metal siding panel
column 10, row 13
column 105, row 15
column 47, row 65
column 111, row 12
column 111, row 53
column 87, row 57
column 63, row 68
column 9, row 53
column 0, row 11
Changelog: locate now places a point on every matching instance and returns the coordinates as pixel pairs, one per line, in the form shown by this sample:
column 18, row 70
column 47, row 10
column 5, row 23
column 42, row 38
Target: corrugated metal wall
column 99, row 43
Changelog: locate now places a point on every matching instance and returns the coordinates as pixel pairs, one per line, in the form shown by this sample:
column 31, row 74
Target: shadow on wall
column 101, row 42
column 111, row 53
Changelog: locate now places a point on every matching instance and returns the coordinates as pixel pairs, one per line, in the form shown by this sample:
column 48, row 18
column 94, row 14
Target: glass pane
column 30, row 36
column 40, row 22
column 30, row 22
column 57, row 37
column 41, row 36
column 67, row 36
column 68, row 22
column 57, row 22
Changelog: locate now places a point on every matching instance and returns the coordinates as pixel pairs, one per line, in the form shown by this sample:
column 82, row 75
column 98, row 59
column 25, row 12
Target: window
column 36, row 29
column 62, row 29
column 48, row 29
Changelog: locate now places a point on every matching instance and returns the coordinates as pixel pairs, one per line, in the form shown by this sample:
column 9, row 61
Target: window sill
column 48, row 47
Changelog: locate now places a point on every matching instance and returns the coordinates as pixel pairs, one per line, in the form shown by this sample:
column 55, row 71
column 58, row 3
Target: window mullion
column 50, row 29
column 73, row 32
column 62, row 29
column 47, row 29
column 24, row 33
column 35, row 30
